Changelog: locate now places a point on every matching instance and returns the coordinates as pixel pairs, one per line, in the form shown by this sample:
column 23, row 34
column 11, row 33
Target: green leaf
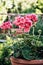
column 16, row 53
column 27, row 53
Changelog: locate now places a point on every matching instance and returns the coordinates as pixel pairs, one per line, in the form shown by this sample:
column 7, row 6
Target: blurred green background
column 20, row 6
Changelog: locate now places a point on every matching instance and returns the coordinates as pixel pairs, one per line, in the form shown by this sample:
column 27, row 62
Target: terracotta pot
column 15, row 61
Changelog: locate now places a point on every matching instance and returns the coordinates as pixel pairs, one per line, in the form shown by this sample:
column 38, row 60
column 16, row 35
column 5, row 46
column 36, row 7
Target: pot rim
column 21, row 61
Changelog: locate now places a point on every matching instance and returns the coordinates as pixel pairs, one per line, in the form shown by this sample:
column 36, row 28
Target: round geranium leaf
column 27, row 53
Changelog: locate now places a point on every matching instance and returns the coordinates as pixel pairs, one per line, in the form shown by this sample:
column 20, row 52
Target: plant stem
column 33, row 30
column 39, row 36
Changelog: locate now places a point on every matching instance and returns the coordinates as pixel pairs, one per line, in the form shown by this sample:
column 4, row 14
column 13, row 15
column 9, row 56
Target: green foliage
column 27, row 53
column 39, row 26
column 2, row 36
column 4, row 60
column 5, row 52
column 4, row 55
column 26, row 46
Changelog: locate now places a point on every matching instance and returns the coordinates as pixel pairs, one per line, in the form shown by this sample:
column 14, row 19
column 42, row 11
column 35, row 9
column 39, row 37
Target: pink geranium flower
column 28, row 25
column 22, row 21
column 26, row 29
column 28, row 22
column 17, row 20
column 6, row 25
column 28, row 16
column 32, row 17
column 21, row 25
column 25, row 22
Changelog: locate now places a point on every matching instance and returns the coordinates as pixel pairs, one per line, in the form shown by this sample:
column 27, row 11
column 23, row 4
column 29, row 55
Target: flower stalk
column 39, row 31
column 33, row 30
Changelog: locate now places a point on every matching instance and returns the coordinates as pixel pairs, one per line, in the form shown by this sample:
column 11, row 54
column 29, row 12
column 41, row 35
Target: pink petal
column 34, row 17
column 28, row 16
column 21, row 25
column 26, row 29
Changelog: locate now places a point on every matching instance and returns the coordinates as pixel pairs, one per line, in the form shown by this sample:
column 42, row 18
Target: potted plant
column 27, row 48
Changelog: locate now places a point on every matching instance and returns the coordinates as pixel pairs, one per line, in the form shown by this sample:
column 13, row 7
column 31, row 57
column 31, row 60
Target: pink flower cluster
column 25, row 22
column 6, row 25
column 32, row 17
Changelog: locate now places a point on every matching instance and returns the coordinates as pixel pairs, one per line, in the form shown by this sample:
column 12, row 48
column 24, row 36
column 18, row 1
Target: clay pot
column 15, row 61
